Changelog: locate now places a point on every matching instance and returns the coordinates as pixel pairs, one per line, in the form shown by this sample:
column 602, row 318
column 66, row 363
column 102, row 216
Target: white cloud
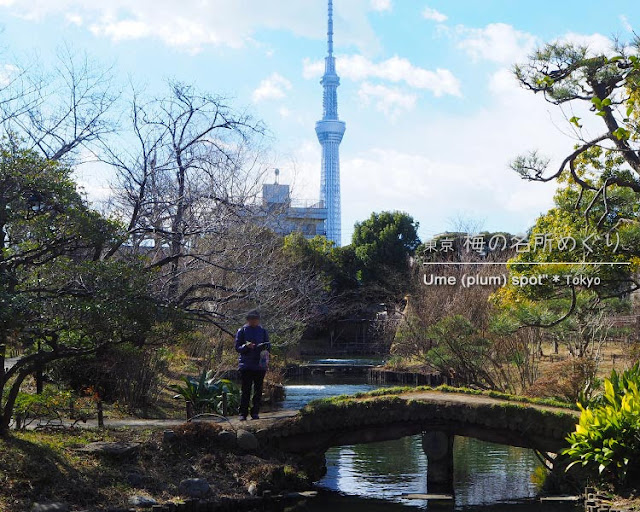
column 497, row 42
column 93, row 179
column 596, row 43
column 274, row 87
column 381, row 5
column 505, row 45
column 314, row 68
column 396, row 69
column 502, row 81
column 284, row 112
column 436, row 190
column 122, row 30
column 431, row 14
column 193, row 24
column 625, row 23
column 74, row 19
column 7, row 73
column 389, row 100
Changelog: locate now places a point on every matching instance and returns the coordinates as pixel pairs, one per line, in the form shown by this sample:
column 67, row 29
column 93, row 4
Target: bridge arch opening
column 400, row 471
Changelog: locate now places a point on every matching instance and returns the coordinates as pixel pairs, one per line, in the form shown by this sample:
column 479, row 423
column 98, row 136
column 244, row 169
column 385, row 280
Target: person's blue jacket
column 250, row 357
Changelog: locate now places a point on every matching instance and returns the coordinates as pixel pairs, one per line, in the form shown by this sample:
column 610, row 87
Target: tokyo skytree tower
column 330, row 131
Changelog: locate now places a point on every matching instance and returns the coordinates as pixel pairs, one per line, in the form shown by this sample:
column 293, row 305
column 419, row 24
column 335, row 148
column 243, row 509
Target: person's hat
column 253, row 314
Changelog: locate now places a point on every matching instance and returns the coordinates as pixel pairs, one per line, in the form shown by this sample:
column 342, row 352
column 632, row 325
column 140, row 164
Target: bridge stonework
column 352, row 421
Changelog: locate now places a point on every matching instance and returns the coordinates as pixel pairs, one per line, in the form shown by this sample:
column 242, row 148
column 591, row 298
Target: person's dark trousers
column 255, row 379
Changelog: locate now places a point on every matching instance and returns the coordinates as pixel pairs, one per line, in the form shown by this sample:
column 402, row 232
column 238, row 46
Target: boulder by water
column 227, row 438
column 50, row 507
column 247, row 441
column 194, row 487
column 113, row 449
column 142, row 501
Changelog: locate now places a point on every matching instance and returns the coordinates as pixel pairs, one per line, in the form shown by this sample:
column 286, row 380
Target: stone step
column 560, row 498
column 433, row 497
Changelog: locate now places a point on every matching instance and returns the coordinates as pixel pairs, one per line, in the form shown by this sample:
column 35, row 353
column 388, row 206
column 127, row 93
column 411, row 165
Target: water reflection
column 485, row 475
column 381, row 470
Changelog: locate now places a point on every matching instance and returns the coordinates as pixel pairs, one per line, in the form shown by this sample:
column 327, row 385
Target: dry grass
column 46, row 466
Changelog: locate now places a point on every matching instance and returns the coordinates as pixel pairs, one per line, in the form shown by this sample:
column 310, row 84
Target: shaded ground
column 49, row 466
column 266, row 419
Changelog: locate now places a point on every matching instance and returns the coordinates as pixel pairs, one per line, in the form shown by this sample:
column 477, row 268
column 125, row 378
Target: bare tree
column 58, row 111
column 188, row 190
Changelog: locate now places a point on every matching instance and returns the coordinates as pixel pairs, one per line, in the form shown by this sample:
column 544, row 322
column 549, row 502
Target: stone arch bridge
column 438, row 416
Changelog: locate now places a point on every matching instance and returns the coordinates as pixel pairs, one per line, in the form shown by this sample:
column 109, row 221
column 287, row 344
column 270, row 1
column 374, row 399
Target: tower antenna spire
column 330, row 31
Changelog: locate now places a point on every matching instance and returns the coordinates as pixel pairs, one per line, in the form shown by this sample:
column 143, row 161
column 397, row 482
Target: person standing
column 252, row 343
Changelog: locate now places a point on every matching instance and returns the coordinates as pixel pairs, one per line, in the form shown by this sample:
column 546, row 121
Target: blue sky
column 433, row 114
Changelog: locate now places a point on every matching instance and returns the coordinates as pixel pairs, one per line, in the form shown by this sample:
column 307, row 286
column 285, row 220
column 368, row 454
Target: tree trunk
column 7, row 407
column 176, row 228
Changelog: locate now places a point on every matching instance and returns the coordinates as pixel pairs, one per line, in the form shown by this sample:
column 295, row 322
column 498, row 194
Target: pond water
column 373, row 477
column 300, row 394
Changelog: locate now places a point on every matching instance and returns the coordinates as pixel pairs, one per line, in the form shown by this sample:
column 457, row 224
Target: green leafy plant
column 206, row 394
column 606, row 441
column 53, row 407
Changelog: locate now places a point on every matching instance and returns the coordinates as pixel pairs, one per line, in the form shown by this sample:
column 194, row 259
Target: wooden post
column 189, row 410
column 100, row 415
column 225, row 404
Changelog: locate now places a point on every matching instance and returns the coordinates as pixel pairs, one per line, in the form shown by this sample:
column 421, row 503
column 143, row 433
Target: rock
column 246, row 441
column 227, row 438
column 308, row 494
column 135, row 479
column 194, row 487
column 168, row 436
column 50, row 507
column 114, row 449
column 252, row 489
column 303, row 495
column 142, row 501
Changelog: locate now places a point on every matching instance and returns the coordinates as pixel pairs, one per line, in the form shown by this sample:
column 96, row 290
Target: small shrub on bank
column 53, row 406
column 207, row 394
column 277, row 478
column 606, row 441
column 129, row 375
column 568, row 380
column 197, row 431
